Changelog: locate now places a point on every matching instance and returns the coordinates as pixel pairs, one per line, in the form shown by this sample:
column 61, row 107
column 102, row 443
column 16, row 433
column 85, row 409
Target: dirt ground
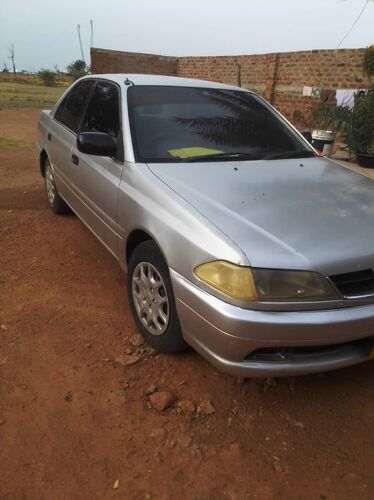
column 75, row 423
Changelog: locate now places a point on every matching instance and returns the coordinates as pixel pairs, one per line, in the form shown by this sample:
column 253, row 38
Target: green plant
column 77, row 69
column 76, row 74
column 330, row 118
column 358, row 132
column 358, row 129
column 77, row 65
column 368, row 62
column 48, row 77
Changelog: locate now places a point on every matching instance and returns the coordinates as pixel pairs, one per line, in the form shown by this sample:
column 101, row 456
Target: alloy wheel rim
column 150, row 298
column 50, row 185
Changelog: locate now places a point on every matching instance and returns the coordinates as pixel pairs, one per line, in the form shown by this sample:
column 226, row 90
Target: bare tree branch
column 11, row 56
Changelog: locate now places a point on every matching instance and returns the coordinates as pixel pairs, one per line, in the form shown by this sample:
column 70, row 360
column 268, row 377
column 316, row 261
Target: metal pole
column 80, row 41
column 92, row 34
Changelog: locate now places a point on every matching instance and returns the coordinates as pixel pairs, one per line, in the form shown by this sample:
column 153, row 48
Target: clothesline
column 344, row 97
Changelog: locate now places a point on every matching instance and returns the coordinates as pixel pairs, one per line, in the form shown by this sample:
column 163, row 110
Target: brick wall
column 256, row 71
column 328, row 69
column 278, row 77
column 115, row 61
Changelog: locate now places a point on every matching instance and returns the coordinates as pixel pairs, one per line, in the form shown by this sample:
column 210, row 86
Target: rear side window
column 59, row 115
column 103, row 111
column 70, row 111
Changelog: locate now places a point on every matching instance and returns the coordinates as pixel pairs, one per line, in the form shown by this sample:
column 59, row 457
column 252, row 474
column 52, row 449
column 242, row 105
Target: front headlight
column 267, row 285
column 290, row 286
column 229, row 279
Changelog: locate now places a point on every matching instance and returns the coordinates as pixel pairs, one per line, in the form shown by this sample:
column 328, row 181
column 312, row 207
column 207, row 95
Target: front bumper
column 228, row 335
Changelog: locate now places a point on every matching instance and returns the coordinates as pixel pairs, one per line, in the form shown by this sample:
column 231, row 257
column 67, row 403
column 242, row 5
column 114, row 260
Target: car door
column 62, row 134
column 97, row 178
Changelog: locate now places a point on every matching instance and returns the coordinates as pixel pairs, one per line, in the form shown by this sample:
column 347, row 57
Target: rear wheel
column 55, row 201
column 152, row 300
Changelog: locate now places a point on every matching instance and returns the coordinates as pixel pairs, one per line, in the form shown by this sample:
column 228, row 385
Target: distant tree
column 11, row 55
column 77, row 65
column 5, row 68
column 57, row 70
column 77, row 69
column 48, row 77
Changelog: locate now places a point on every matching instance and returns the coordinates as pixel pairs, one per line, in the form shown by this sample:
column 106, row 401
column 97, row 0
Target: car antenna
column 129, row 82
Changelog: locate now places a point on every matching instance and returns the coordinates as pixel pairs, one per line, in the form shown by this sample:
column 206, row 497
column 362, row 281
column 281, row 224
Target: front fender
column 185, row 237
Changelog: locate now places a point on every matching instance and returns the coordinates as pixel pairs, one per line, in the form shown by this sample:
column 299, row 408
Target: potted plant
column 327, row 121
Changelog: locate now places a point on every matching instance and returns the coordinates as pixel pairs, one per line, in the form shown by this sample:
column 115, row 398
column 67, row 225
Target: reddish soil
column 76, row 424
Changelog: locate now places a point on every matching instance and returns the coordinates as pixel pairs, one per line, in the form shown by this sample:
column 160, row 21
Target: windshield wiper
column 298, row 153
column 232, row 155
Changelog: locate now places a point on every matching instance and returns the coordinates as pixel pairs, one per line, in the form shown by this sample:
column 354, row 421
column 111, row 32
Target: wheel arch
column 42, row 158
column 135, row 238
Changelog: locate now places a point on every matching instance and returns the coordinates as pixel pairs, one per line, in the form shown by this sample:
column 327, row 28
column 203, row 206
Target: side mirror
column 96, row 143
column 307, row 135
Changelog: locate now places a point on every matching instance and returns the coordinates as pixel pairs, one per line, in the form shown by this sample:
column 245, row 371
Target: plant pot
column 322, row 141
column 365, row 160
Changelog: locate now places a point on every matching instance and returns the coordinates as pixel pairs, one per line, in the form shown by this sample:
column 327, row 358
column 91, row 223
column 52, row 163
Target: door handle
column 75, row 159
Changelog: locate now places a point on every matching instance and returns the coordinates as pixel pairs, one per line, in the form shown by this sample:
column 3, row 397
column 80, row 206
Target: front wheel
column 55, row 201
column 152, row 300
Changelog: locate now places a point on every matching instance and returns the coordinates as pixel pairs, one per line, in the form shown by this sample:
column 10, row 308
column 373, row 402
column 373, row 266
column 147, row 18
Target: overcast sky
column 45, row 32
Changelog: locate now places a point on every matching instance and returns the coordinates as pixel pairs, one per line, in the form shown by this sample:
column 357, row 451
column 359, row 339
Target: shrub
column 48, row 77
column 359, row 131
column 368, row 62
column 78, row 73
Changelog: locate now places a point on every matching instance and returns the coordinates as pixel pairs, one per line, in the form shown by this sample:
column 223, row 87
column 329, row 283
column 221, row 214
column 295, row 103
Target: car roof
column 139, row 79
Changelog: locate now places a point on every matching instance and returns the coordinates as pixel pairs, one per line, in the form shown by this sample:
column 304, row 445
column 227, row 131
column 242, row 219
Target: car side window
column 69, row 112
column 102, row 113
column 60, row 110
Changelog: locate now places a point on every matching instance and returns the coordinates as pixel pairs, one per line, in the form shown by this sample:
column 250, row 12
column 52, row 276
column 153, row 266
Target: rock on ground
column 136, row 340
column 127, row 359
column 161, row 400
column 186, row 406
column 206, row 407
column 151, row 390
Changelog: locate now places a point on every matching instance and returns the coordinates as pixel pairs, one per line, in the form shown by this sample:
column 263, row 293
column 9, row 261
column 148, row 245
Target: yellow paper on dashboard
column 191, row 152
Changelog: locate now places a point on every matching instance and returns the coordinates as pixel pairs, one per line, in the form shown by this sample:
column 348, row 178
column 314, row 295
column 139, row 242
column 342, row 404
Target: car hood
column 293, row 214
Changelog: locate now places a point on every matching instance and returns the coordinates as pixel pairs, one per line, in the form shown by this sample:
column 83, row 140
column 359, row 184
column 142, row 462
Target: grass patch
column 62, row 81
column 28, row 95
column 14, row 144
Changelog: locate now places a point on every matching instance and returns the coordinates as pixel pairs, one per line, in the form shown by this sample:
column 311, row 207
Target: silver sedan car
column 236, row 237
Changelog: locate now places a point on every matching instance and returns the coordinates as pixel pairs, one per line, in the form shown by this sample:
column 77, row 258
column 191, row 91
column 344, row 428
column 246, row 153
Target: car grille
column 359, row 283
column 309, row 353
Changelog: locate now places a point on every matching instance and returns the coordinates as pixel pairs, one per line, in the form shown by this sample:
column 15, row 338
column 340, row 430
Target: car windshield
column 174, row 124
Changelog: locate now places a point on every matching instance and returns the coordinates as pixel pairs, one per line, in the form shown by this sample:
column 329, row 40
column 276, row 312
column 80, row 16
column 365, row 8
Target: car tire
column 56, row 203
column 152, row 300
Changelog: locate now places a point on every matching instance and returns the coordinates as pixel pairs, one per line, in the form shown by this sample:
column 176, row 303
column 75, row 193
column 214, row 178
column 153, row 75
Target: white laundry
column 345, row 97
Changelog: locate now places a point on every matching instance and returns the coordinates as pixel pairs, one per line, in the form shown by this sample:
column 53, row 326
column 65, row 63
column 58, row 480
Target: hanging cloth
column 345, row 97
column 307, row 91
